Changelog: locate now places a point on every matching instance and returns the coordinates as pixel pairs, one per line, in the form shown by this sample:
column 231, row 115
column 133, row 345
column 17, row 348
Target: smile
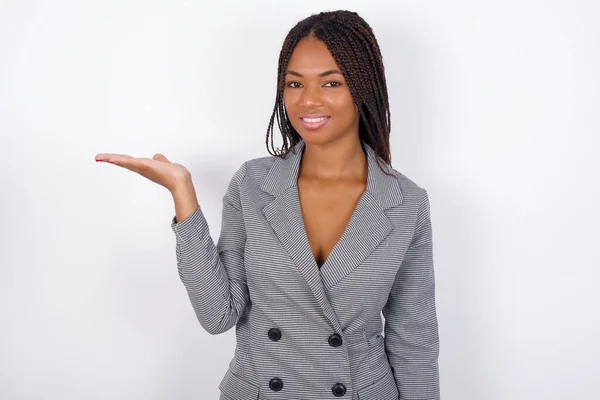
column 314, row 123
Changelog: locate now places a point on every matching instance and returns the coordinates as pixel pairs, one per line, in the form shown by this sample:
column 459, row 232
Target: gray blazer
column 304, row 333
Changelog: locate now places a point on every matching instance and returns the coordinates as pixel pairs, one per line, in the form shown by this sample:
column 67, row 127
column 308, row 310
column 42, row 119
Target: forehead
column 311, row 55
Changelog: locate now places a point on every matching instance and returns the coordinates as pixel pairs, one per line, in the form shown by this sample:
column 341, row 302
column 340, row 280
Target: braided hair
column 353, row 45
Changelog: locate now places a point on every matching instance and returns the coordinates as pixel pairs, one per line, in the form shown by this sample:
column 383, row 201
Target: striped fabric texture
column 310, row 333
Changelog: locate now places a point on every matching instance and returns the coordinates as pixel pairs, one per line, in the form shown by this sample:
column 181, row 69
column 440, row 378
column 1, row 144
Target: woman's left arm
column 411, row 328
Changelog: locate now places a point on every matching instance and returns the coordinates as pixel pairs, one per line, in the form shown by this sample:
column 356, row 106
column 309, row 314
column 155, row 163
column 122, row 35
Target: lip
column 313, row 115
column 314, row 125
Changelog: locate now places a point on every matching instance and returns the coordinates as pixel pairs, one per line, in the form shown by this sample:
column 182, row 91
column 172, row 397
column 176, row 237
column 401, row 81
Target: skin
column 173, row 176
column 333, row 170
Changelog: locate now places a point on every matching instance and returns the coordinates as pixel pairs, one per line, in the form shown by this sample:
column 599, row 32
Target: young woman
column 318, row 239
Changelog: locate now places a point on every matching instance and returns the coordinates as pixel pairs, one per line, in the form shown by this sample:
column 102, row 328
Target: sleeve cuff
column 190, row 226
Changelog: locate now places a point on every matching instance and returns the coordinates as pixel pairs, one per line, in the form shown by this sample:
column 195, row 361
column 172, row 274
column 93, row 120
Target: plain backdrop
column 495, row 111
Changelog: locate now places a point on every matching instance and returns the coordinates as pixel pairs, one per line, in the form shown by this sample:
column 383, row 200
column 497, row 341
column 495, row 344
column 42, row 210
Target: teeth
column 314, row 119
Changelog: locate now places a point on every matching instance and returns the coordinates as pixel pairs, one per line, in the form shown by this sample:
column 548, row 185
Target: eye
column 293, row 84
column 334, row 84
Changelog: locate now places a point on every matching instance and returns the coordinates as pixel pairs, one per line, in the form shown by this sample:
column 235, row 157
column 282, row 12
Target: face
column 317, row 99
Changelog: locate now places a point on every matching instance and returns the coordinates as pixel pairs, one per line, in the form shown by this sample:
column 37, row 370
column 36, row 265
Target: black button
column 276, row 385
column 274, row 334
column 335, row 340
column 338, row 390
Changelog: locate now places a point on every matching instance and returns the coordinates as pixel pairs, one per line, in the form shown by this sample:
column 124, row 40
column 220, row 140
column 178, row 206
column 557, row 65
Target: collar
column 385, row 188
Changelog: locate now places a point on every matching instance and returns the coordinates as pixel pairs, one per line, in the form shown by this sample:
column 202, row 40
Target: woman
column 317, row 239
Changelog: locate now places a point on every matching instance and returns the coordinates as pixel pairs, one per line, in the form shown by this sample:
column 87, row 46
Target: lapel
column 367, row 228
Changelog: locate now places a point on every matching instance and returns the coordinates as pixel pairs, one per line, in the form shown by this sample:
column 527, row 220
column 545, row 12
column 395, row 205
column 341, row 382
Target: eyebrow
column 326, row 73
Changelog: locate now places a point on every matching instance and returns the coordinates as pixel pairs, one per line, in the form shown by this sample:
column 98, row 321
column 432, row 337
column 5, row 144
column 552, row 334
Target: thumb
column 160, row 157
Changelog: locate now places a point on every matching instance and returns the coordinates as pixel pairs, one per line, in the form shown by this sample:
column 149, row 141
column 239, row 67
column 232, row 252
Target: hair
column 353, row 45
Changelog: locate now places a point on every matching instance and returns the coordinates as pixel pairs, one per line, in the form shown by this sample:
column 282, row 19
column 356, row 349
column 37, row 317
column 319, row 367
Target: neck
column 340, row 160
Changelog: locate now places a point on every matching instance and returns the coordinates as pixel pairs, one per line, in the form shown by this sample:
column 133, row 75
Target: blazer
column 310, row 333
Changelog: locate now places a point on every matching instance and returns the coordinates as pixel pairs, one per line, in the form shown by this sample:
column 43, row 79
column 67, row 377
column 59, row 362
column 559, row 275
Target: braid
column 353, row 45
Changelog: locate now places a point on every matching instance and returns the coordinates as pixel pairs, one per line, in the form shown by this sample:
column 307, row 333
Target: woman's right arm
column 213, row 275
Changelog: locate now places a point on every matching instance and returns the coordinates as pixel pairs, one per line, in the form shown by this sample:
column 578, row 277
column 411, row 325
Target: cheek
column 290, row 98
column 343, row 105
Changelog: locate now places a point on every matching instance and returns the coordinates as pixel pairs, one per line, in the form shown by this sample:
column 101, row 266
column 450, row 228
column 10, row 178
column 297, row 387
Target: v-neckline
column 367, row 228
column 338, row 243
column 350, row 220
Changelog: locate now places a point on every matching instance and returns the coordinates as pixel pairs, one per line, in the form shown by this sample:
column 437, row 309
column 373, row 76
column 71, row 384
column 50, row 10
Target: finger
column 141, row 166
column 101, row 156
column 111, row 156
column 160, row 157
column 126, row 161
column 138, row 165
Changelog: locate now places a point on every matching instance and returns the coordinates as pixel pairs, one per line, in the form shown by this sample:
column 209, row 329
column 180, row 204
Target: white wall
column 494, row 111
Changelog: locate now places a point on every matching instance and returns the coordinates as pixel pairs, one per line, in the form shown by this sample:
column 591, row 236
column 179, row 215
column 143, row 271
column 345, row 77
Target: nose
column 311, row 97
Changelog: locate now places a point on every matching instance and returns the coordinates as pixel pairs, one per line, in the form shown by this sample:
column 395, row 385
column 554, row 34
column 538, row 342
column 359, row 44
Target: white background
column 495, row 111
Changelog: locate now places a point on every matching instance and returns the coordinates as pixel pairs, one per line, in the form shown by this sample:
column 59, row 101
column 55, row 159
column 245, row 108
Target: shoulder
column 407, row 184
column 252, row 171
column 412, row 192
column 257, row 168
column 247, row 177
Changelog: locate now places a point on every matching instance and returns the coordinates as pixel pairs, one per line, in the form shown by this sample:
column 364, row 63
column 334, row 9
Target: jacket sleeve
column 411, row 328
column 214, row 275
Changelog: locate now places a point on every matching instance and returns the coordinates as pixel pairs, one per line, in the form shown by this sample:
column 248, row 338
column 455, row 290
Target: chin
column 315, row 137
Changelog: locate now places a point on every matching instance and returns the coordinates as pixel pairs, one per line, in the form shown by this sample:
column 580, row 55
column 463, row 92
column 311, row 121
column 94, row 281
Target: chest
column 326, row 210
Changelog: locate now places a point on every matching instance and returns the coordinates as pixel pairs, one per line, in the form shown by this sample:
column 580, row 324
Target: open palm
column 158, row 168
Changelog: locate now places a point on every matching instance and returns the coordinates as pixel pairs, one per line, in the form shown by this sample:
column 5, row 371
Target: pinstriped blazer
column 310, row 333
